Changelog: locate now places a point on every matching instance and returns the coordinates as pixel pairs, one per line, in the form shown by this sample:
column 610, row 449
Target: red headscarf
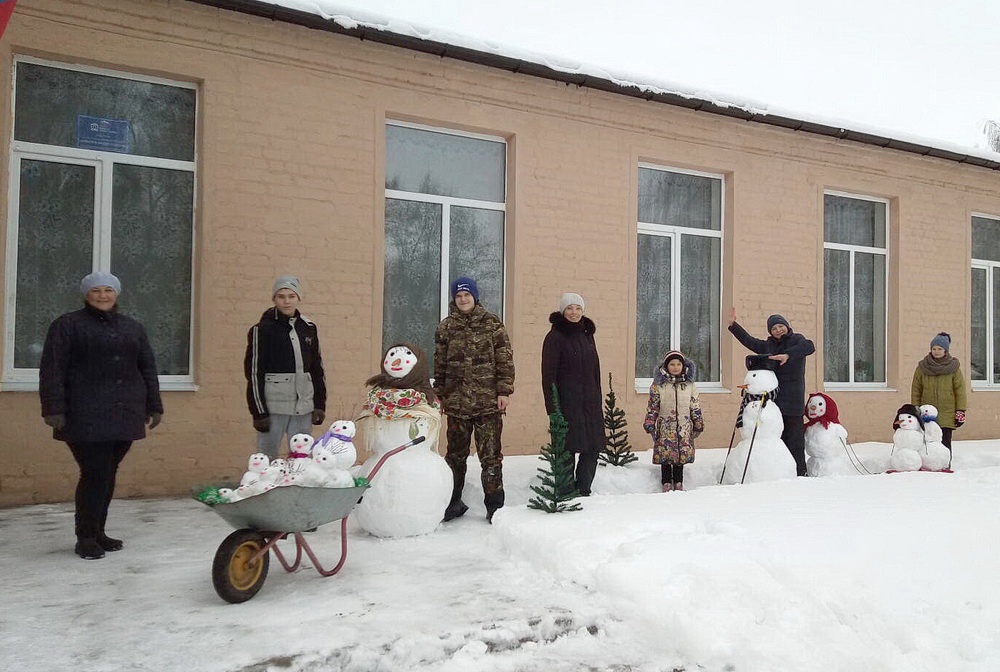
column 831, row 415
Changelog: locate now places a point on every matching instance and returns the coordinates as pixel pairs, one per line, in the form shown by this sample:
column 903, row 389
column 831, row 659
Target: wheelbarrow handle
column 410, row 444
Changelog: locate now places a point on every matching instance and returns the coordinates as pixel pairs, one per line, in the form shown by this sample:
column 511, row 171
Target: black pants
column 98, row 468
column 794, row 436
column 487, row 430
column 946, row 437
column 671, row 473
column 586, row 468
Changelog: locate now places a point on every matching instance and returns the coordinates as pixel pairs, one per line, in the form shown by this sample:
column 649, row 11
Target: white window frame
column 990, row 267
column 447, row 202
column 674, row 233
column 26, row 380
column 854, row 249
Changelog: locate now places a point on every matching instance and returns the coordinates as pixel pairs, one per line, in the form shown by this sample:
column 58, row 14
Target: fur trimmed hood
column 560, row 323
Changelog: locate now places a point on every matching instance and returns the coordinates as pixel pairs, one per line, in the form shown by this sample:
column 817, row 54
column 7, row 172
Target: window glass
column 701, row 291
column 986, row 238
column 476, row 251
column 152, row 211
column 55, row 248
column 869, row 318
column 679, row 199
column 854, row 221
column 429, row 162
column 653, row 303
column 68, row 108
column 996, row 325
column 978, row 360
column 412, row 291
column 836, row 314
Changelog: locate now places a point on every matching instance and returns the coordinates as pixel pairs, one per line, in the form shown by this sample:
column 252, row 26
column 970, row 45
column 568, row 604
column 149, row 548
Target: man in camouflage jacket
column 474, row 378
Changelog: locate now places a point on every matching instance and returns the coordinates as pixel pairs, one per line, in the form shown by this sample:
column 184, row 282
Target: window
column 445, row 216
column 678, row 271
column 854, row 289
column 103, row 166
column 985, row 355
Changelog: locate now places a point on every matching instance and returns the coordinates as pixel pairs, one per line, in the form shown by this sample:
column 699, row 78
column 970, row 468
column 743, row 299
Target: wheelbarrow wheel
column 234, row 578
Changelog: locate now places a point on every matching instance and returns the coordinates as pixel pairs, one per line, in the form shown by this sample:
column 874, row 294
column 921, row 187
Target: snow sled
column 243, row 558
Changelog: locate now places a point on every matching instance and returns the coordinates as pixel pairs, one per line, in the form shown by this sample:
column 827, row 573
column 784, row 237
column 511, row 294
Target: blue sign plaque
column 108, row 135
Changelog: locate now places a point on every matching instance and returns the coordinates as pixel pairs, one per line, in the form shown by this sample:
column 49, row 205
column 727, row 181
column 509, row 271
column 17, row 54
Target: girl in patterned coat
column 673, row 418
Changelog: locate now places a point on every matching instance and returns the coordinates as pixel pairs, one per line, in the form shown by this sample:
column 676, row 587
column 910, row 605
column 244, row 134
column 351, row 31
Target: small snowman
column 327, row 462
column 907, row 440
column 935, row 456
column 413, row 487
column 826, row 439
column 299, row 454
column 339, row 440
column 252, row 482
column 761, row 455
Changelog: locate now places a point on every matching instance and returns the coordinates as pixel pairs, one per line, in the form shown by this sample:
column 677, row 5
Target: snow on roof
column 352, row 18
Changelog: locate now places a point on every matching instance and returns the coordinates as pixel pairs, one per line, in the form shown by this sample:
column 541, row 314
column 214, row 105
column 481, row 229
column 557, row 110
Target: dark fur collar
column 560, row 323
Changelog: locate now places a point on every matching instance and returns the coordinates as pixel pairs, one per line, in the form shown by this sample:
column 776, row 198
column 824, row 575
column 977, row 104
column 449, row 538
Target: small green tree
column 558, row 485
column 616, row 450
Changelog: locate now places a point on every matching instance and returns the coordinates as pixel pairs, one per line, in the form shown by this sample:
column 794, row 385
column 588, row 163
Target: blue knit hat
column 942, row 339
column 100, row 279
column 465, row 284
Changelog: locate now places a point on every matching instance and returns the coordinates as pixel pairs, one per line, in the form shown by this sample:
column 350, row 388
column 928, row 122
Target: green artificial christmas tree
column 558, row 485
column 616, row 450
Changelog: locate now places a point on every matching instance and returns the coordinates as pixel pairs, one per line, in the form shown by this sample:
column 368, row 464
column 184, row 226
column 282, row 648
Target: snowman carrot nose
column 743, row 386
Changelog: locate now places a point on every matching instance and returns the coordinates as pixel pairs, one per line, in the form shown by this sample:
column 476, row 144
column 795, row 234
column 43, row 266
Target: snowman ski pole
column 756, row 424
column 736, row 423
column 852, row 456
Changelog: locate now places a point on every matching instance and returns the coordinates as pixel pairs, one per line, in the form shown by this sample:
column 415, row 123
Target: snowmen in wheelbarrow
column 414, row 487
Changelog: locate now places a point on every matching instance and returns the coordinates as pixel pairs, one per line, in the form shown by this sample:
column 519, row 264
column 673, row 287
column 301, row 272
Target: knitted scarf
column 938, row 367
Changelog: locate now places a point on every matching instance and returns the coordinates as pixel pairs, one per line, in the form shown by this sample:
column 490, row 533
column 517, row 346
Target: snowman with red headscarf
column 826, row 439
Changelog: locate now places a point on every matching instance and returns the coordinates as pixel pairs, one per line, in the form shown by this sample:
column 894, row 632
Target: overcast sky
column 922, row 67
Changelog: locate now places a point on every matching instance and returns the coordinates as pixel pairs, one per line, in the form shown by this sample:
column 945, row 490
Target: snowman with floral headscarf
column 413, row 487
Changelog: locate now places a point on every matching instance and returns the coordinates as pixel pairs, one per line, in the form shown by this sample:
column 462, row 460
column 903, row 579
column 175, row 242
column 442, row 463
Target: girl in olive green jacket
column 938, row 381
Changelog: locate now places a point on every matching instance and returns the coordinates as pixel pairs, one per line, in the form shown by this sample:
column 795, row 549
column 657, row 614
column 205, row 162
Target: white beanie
column 286, row 282
column 568, row 299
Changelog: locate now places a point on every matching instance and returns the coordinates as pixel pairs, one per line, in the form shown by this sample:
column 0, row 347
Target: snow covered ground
column 871, row 573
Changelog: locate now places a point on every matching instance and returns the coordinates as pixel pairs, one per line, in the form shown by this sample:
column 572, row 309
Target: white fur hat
column 568, row 299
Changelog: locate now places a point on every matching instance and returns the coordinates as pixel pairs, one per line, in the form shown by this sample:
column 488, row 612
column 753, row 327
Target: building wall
column 290, row 179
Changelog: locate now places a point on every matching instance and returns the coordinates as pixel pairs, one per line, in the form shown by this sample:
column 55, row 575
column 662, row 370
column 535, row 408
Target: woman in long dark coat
column 570, row 361
column 98, row 387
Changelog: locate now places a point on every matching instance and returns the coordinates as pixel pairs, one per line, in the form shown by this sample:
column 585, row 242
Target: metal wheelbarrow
column 243, row 558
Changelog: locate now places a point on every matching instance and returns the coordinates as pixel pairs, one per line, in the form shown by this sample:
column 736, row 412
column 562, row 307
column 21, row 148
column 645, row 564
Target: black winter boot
column 88, row 549
column 109, row 544
column 493, row 501
column 456, row 509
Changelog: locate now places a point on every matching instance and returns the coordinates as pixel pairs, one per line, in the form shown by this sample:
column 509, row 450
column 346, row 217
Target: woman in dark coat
column 98, row 387
column 571, row 363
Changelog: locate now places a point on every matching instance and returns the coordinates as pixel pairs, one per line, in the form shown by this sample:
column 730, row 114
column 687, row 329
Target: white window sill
column 857, row 387
column 32, row 386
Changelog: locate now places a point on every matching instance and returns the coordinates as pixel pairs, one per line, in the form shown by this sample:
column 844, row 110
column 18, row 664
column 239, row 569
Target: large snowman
column 411, row 490
column 760, row 430
column 826, row 439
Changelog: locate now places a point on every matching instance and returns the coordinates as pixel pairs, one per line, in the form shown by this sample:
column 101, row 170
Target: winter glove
column 318, row 416
column 648, row 428
column 56, row 422
column 262, row 424
column 959, row 419
column 154, row 419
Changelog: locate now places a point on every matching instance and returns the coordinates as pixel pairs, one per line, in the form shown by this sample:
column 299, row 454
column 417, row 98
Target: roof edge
column 275, row 12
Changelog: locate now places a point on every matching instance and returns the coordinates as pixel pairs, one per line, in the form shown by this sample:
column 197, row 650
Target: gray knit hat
column 287, row 282
column 943, row 339
column 100, row 279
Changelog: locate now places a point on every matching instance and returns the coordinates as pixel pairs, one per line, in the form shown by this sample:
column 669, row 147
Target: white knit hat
column 568, row 299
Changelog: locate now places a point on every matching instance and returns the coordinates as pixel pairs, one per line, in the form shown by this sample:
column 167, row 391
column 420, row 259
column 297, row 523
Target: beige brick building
column 267, row 146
